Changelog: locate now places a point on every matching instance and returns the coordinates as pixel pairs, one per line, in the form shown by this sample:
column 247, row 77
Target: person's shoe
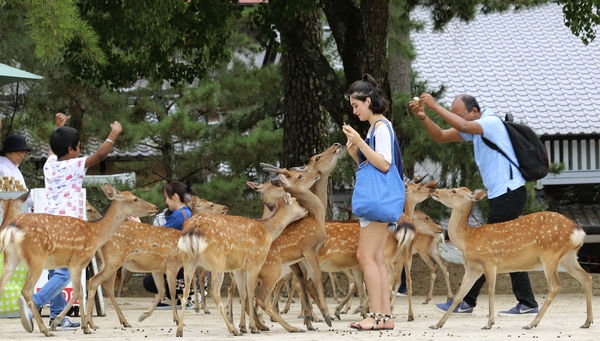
column 26, row 315
column 65, row 324
column 164, row 304
column 461, row 308
column 188, row 306
column 519, row 309
column 400, row 294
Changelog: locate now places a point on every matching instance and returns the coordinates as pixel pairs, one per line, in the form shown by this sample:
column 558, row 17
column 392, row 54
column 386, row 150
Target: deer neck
column 409, row 207
column 458, row 225
column 320, row 188
column 278, row 221
column 312, row 204
column 106, row 227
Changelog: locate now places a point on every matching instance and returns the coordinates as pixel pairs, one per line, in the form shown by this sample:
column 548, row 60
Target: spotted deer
column 197, row 205
column 223, row 243
column 139, row 247
column 542, row 239
column 44, row 241
column 300, row 242
column 429, row 236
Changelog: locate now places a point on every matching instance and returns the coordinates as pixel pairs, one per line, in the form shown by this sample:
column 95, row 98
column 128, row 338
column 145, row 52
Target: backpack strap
column 496, row 148
column 185, row 217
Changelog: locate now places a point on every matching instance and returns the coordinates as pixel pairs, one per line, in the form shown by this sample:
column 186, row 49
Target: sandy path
column 561, row 322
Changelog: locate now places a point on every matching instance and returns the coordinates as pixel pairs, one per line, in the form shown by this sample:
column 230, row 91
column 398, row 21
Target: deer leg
column 312, row 264
column 282, row 283
column 435, row 254
column 351, row 286
column 570, row 263
column 408, row 267
column 215, row 293
column 230, row 293
column 310, row 286
column 203, row 275
column 10, row 265
column 159, row 281
column 251, row 282
column 469, row 278
column 34, row 273
column 240, row 278
column 302, row 281
column 189, row 269
column 106, row 276
column 109, row 286
column 346, row 302
column 75, row 273
column 432, row 265
column 490, row 275
column 125, row 277
column 263, row 294
column 269, row 279
column 358, row 278
column 171, row 273
column 333, row 280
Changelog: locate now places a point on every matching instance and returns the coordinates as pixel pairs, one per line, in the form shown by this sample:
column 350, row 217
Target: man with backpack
column 504, row 183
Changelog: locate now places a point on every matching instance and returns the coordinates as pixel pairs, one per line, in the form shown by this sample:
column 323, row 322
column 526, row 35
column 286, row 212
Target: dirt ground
column 562, row 321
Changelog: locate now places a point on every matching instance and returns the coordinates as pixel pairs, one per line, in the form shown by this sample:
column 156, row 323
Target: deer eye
column 318, row 158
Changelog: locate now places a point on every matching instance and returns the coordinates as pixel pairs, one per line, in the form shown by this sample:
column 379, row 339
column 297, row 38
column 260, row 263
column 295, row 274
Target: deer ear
column 283, row 179
column 287, row 197
column 478, row 194
column 252, row 185
column 109, row 191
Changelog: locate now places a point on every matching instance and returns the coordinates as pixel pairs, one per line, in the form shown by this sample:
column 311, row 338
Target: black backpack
column 529, row 149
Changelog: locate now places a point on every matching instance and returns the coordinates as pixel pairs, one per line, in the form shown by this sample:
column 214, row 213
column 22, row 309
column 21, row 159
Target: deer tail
column 577, row 237
column 192, row 243
column 8, row 235
column 405, row 233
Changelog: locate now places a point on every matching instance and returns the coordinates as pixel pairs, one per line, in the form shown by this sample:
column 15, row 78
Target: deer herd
column 291, row 243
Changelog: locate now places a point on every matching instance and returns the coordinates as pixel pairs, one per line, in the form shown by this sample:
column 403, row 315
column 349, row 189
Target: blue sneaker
column 65, row 324
column 461, row 308
column 519, row 309
column 26, row 315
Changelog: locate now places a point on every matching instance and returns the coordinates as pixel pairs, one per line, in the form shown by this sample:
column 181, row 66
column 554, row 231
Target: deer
column 50, row 241
column 429, row 235
column 139, row 247
column 541, row 239
column 300, row 242
column 197, row 205
column 220, row 243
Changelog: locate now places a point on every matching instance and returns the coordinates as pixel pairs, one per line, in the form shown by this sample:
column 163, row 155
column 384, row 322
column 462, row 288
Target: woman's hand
column 354, row 140
column 60, row 119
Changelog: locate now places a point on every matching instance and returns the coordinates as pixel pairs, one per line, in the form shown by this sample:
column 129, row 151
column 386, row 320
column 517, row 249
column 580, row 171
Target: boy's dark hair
column 184, row 191
column 62, row 138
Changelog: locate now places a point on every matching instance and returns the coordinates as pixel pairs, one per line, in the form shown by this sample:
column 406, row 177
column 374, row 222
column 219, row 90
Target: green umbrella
column 9, row 74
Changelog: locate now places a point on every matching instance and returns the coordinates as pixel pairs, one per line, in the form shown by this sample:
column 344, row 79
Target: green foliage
column 56, row 24
column 582, row 17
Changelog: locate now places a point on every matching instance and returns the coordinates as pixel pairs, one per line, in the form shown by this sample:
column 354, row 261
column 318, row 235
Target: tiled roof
column 527, row 63
column 144, row 149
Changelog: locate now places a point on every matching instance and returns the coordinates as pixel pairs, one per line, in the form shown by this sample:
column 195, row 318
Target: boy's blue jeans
column 52, row 291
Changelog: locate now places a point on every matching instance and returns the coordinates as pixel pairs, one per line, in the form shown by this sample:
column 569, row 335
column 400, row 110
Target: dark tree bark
column 360, row 32
column 305, row 73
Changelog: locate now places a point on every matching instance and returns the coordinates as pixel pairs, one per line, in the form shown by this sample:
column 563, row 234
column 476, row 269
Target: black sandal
column 357, row 326
column 383, row 319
